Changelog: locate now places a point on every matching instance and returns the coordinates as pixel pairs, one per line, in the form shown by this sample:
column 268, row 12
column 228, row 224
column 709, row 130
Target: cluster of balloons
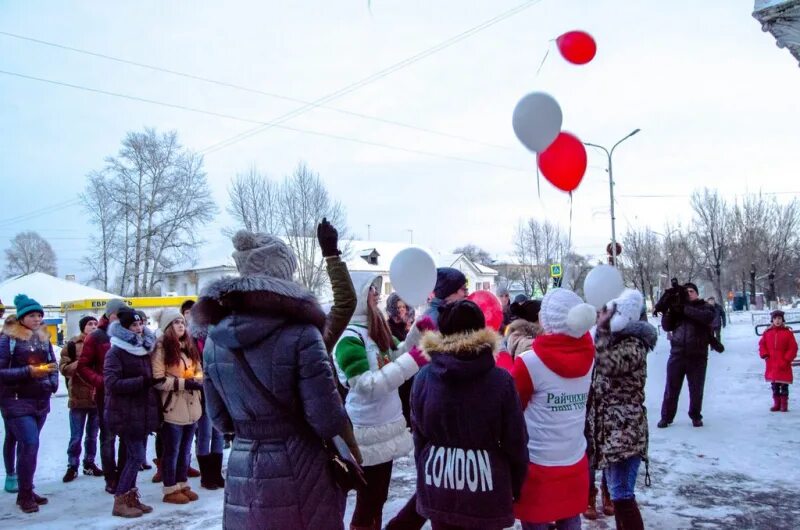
column 537, row 121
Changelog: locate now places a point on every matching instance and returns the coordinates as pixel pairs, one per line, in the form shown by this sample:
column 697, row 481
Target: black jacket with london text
column 691, row 328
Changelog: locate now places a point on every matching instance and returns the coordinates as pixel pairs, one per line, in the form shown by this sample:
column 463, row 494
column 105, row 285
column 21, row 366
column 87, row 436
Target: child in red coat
column 778, row 348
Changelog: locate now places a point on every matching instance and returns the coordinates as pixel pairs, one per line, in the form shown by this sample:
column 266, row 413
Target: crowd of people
column 504, row 425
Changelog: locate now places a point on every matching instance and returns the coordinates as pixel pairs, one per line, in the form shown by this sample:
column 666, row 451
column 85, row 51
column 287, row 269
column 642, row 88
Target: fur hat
column 448, row 281
column 114, row 305
column 628, row 309
column 460, row 317
column 777, row 313
column 25, row 305
column 565, row 313
column 259, row 253
column 128, row 316
column 85, row 320
column 165, row 317
column 527, row 310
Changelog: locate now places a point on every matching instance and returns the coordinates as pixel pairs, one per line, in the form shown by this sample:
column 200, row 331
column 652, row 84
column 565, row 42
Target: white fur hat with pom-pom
column 628, row 309
column 565, row 313
column 259, row 253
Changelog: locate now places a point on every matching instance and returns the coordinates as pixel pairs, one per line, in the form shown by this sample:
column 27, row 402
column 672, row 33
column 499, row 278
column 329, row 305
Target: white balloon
column 602, row 284
column 537, row 121
column 413, row 275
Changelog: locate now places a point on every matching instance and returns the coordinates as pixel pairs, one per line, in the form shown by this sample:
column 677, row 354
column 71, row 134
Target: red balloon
column 577, row 47
column 490, row 306
column 564, row 162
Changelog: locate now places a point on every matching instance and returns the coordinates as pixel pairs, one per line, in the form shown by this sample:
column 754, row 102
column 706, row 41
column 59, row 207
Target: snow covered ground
column 741, row 470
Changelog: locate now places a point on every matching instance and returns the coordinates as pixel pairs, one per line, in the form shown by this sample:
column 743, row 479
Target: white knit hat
column 565, row 313
column 628, row 309
column 166, row 316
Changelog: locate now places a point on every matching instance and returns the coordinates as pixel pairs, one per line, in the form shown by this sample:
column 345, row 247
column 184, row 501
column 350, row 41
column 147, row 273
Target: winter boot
column 174, row 495
column 125, row 507
column 157, row 476
column 591, row 510
column 11, row 486
column 26, row 502
column 785, row 403
column 216, row 469
column 193, row 473
column 187, row 490
column 136, row 500
column 697, row 422
column 145, row 467
column 71, row 474
column 206, row 475
column 91, row 470
column 627, row 515
column 41, row 501
column 608, row 505
column 776, row 403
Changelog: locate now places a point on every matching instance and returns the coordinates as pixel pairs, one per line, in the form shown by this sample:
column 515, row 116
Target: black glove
column 328, row 239
column 155, row 381
column 676, row 310
column 193, row 384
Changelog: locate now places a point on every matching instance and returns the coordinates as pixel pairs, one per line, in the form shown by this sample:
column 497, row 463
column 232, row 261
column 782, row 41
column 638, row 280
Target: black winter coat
column 691, row 329
column 470, row 438
column 21, row 394
column 132, row 405
column 278, row 471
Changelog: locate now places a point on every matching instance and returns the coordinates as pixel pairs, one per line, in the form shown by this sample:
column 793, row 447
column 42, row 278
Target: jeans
column 621, row 478
column 26, row 430
column 134, row 458
column 177, row 440
column 371, row 498
column 78, row 419
column 694, row 370
column 111, row 467
column 209, row 440
column 570, row 523
column 9, row 449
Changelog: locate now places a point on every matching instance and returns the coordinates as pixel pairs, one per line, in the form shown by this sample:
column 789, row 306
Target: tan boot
column 187, row 490
column 157, row 475
column 608, row 506
column 137, row 501
column 174, row 495
column 591, row 510
column 124, row 508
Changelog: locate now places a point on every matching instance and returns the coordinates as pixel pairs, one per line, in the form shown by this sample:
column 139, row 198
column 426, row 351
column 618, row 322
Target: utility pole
column 369, row 236
column 411, row 235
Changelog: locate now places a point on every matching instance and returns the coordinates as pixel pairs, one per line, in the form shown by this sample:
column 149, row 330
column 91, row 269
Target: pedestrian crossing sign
column 555, row 270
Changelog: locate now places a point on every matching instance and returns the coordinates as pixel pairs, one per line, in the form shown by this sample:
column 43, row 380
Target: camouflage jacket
column 616, row 418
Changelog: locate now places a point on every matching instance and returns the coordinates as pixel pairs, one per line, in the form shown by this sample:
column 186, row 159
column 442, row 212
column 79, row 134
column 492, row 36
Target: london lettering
column 454, row 468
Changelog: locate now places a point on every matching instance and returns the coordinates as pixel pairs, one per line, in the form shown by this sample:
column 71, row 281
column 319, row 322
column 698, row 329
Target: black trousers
column 780, row 389
column 694, row 370
column 371, row 498
column 111, row 469
column 407, row 518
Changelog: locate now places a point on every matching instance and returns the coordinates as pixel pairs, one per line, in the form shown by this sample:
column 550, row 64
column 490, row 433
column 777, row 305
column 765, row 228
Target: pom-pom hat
column 565, row 313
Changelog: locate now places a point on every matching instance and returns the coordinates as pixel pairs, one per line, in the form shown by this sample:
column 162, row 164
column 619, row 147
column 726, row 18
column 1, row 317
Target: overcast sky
column 716, row 100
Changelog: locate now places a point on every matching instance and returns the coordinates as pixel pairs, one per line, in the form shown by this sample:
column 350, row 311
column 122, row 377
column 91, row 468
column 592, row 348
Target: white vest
column 555, row 415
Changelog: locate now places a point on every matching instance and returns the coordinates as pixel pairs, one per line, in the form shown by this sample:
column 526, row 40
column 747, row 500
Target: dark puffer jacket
column 470, row 439
column 691, row 330
column 23, row 394
column 278, row 474
column 616, row 418
column 131, row 403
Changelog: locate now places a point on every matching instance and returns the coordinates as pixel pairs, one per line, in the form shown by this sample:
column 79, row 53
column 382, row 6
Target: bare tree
column 475, row 254
column 29, row 253
column 783, row 226
column 158, row 192
column 681, row 258
column 643, row 257
column 575, row 268
column 537, row 245
column 750, row 221
column 711, row 227
column 254, row 202
column 103, row 242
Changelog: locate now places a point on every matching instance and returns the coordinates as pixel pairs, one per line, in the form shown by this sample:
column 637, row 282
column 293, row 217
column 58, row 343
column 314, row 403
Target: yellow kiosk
column 77, row 309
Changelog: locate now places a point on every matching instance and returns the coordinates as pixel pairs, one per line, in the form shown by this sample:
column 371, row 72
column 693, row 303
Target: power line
column 249, row 120
column 371, row 78
column 251, row 90
column 41, row 211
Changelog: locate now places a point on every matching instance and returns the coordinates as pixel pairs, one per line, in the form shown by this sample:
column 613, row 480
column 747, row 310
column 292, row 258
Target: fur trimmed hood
column 14, row 329
column 643, row 331
column 256, row 295
column 520, row 334
column 465, row 346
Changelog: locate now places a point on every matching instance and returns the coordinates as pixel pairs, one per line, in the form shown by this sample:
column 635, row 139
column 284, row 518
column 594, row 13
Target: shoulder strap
column 360, row 336
column 238, row 354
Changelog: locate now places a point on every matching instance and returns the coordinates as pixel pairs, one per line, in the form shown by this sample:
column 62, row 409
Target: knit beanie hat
column 114, row 305
column 777, row 313
column 448, row 281
column 527, row 310
column 128, row 316
column 166, row 317
column 460, row 317
column 187, row 305
column 85, row 320
column 565, row 313
column 25, row 305
column 520, row 298
column 259, row 253
column 690, row 285
column 628, row 309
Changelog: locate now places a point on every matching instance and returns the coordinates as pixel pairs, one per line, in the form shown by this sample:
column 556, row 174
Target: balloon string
column 546, row 53
column 569, row 239
column 538, row 178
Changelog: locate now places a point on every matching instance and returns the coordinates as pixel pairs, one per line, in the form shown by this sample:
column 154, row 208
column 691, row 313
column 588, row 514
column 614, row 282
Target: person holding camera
column 689, row 319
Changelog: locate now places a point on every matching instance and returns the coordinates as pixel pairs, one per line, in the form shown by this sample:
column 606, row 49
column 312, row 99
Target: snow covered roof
column 48, row 290
column 782, row 19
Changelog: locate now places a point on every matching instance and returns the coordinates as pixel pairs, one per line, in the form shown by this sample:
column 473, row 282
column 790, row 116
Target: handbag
column 346, row 471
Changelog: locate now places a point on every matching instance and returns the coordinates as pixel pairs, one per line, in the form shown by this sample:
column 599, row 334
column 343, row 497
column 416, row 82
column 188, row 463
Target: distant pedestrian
column 505, row 303
column 720, row 319
column 778, row 348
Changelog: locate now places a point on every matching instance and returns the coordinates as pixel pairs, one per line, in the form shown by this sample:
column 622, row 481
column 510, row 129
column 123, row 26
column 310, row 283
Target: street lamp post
column 609, row 153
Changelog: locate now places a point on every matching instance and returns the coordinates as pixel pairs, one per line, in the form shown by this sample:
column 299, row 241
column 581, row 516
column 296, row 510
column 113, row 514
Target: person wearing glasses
column 689, row 321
